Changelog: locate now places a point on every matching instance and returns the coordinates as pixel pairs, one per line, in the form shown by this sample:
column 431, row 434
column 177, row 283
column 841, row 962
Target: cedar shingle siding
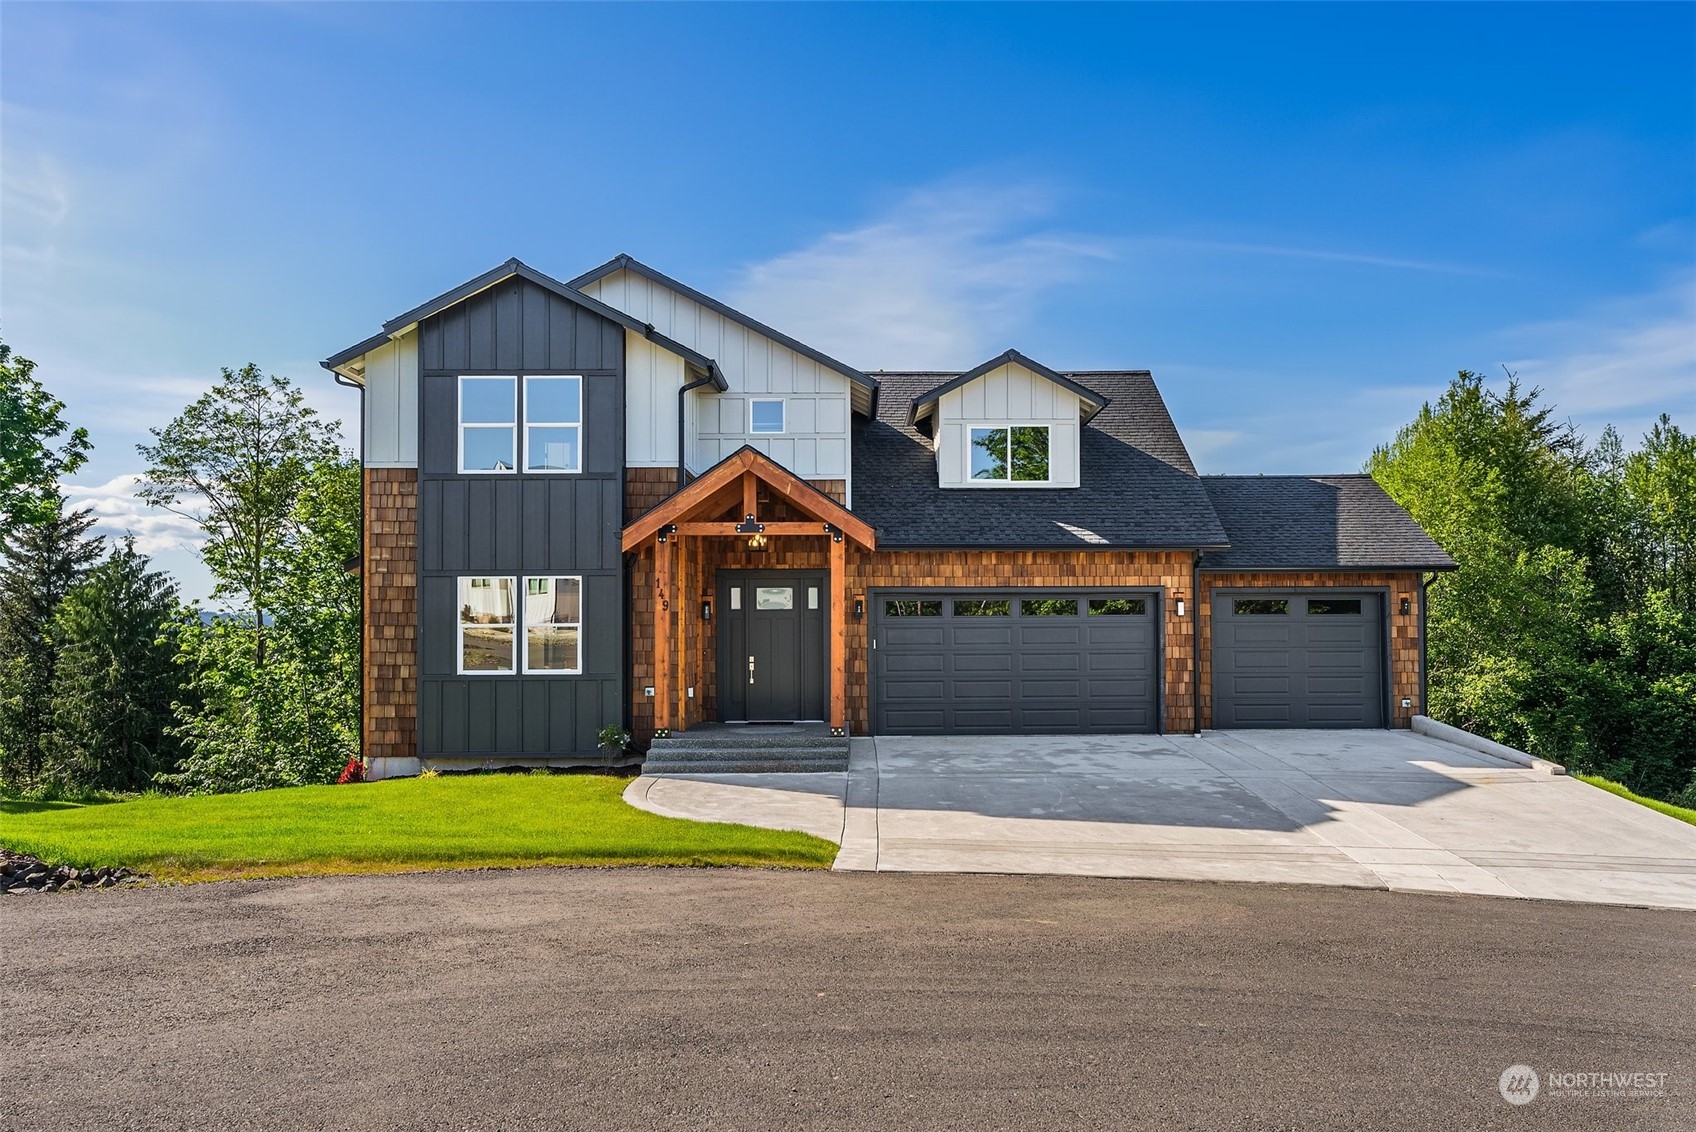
column 391, row 612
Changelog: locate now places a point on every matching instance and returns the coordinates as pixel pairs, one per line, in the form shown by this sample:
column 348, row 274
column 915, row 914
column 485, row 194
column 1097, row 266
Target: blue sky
column 1304, row 219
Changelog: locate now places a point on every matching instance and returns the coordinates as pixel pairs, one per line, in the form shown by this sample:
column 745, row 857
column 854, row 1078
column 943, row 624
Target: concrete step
column 733, row 765
column 751, row 749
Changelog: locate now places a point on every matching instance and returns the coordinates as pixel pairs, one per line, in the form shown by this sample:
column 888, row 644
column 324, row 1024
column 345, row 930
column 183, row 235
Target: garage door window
column 1259, row 606
column 912, row 609
column 1320, row 606
column 1117, row 607
column 1049, row 607
column 983, row 608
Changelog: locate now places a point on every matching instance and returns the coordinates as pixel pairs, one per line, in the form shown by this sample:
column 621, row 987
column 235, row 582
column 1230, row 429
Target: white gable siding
column 652, row 377
column 814, row 444
column 1009, row 395
column 391, row 404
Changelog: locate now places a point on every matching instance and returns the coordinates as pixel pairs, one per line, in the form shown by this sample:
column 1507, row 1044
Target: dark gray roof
column 1093, row 401
column 1316, row 523
column 1140, row 490
column 622, row 262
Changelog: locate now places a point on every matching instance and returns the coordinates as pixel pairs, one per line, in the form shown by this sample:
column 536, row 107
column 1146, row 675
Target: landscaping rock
column 20, row 872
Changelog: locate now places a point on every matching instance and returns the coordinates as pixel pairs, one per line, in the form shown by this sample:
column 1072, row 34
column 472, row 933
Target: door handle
column 750, row 670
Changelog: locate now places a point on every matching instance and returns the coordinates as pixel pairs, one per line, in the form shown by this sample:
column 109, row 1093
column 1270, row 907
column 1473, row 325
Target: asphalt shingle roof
column 1139, row 487
column 1315, row 522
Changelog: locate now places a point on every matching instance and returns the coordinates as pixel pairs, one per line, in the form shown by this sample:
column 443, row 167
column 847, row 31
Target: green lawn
column 394, row 826
column 1666, row 808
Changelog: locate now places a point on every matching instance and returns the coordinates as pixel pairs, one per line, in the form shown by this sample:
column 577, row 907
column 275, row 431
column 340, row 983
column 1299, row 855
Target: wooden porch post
column 679, row 621
column 838, row 633
column 750, row 495
column 663, row 601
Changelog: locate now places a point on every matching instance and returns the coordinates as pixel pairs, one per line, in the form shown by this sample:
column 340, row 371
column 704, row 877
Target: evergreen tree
column 31, row 422
column 117, row 677
column 44, row 562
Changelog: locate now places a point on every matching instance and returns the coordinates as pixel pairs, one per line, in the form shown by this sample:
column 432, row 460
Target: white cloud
column 941, row 280
column 1325, row 255
column 119, row 513
column 1623, row 362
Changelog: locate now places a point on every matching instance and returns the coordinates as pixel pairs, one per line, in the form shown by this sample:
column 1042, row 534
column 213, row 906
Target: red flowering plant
column 354, row 771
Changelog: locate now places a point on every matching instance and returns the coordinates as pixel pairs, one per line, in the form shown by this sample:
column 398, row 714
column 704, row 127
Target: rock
column 36, row 879
column 105, row 882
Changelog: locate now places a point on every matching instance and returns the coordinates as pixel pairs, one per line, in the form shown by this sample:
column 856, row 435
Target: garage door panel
column 1046, row 665
column 1297, row 669
column 1051, row 662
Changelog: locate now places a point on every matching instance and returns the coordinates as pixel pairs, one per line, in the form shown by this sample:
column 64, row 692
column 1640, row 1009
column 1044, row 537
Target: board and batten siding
column 517, row 525
column 1006, row 396
column 391, row 404
column 814, row 444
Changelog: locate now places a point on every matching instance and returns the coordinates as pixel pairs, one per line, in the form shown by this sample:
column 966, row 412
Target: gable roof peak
column 926, row 402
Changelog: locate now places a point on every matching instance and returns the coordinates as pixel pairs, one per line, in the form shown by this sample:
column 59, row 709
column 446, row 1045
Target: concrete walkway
column 1379, row 809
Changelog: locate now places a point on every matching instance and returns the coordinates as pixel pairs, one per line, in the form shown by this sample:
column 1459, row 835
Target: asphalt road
column 752, row 1000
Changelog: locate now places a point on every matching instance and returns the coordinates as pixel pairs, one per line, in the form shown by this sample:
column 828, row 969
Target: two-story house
column 619, row 501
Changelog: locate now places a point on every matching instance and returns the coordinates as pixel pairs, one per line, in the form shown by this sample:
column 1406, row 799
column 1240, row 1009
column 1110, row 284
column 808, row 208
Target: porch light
column 1407, row 605
column 757, row 542
column 859, row 608
column 1179, row 604
column 706, row 610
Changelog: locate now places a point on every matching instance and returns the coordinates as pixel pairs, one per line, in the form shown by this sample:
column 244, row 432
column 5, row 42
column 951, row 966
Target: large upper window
column 553, row 623
column 488, row 424
column 1018, row 454
column 553, row 423
column 486, row 625
column 492, row 622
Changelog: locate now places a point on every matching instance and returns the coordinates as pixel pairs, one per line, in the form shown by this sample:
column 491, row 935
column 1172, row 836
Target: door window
column 774, row 597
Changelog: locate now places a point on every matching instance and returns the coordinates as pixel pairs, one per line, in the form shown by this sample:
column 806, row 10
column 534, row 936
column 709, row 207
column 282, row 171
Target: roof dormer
column 1010, row 422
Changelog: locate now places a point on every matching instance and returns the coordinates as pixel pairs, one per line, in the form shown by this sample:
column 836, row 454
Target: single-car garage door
column 1021, row 663
column 1298, row 660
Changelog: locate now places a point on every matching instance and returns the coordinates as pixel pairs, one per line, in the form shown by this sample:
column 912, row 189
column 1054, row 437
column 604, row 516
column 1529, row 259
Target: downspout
column 349, row 383
column 682, row 426
column 1195, row 639
column 1425, row 585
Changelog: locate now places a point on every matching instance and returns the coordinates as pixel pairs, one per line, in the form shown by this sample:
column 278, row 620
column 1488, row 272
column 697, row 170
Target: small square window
column 488, row 424
column 765, row 416
column 553, row 416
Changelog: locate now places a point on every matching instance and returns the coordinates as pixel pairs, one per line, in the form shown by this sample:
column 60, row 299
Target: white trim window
column 487, row 626
column 488, row 424
column 1010, row 454
column 553, row 424
column 766, row 416
column 553, row 625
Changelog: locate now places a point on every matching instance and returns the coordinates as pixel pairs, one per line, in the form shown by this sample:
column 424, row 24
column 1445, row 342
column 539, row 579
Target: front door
column 771, row 645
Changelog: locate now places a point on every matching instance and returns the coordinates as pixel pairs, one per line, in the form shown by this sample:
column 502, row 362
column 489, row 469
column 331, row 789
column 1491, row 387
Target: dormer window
column 1018, row 454
column 765, row 416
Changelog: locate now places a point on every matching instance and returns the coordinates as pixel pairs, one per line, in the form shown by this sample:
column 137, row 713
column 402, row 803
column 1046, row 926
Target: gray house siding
column 513, row 524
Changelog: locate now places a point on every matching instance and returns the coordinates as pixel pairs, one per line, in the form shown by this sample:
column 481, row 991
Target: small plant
column 429, row 772
column 354, row 771
column 614, row 739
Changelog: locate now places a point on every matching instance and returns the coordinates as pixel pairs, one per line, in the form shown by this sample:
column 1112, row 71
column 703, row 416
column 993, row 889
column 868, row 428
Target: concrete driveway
column 1378, row 809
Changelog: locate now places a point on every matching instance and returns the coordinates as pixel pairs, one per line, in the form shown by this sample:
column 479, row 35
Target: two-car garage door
column 1020, row 663
column 1298, row 660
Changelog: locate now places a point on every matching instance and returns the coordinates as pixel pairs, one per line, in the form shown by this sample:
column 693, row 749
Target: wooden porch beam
column 803, row 528
column 750, row 494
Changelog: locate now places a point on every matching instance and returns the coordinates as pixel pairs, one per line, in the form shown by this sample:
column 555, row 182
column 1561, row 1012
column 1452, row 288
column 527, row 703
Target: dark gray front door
column 771, row 657
column 1283, row 659
column 1014, row 663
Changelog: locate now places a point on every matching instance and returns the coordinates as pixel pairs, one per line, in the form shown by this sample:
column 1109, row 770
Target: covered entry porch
column 741, row 602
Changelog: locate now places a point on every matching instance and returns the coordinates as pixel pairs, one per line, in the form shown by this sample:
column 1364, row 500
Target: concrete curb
column 1425, row 725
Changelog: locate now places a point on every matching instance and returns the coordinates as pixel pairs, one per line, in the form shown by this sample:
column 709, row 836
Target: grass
column 1666, row 808
column 396, row 826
